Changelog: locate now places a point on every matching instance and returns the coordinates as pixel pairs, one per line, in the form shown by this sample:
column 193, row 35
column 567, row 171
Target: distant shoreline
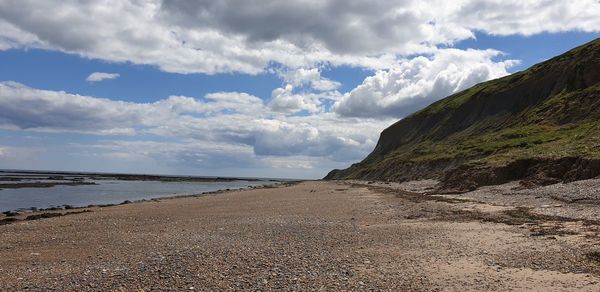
column 20, row 194
column 33, row 213
column 131, row 176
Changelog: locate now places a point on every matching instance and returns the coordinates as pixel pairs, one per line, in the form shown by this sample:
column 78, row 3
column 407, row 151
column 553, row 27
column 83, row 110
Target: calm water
column 109, row 192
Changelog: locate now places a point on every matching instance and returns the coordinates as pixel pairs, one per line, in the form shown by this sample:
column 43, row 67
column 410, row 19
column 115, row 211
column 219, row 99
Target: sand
column 310, row 236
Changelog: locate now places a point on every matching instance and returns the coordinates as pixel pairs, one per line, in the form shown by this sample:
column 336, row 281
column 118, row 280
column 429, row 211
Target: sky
column 256, row 88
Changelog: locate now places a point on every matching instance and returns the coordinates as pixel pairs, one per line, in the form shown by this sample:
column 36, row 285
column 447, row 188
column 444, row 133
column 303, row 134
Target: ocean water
column 110, row 192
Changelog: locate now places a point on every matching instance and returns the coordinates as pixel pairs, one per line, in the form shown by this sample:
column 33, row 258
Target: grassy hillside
column 549, row 111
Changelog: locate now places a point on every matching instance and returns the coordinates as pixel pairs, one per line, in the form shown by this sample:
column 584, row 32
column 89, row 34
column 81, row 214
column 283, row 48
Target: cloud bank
column 188, row 36
column 226, row 127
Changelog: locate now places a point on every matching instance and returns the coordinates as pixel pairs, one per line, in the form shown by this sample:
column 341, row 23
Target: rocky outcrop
column 531, row 172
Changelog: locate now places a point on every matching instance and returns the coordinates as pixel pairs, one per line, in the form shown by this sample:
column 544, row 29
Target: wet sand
column 313, row 235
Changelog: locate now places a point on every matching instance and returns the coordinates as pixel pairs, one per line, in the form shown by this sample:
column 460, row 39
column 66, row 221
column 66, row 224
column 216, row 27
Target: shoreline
column 33, row 213
column 43, row 185
column 14, row 180
column 331, row 235
column 60, row 175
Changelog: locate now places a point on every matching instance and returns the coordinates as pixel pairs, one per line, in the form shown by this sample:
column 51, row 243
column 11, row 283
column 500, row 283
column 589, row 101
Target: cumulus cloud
column 304, row 90
column 284, row 100
column 27, row 108
column 308, row 76
column 187, row 36
column 420, row 81
column 220, row 125
column 99, row 76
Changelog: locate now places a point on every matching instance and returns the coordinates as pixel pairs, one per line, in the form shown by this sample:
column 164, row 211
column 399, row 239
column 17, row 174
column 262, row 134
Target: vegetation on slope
column 550, row 111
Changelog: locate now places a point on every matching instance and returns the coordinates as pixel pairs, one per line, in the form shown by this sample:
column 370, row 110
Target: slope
column 547, row 113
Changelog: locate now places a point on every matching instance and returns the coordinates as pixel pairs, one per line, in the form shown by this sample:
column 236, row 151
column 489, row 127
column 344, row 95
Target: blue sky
column 225, row 94
column 530, row 49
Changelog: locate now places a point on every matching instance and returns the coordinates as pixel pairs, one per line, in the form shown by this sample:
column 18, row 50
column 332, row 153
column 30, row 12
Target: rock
column 43, row 215
column 11, row 213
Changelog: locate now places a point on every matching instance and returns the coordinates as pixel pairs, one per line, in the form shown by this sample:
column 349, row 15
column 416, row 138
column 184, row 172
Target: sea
column 105, row 190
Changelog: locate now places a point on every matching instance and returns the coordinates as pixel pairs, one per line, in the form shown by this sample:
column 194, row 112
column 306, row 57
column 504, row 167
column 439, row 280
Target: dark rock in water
column 126, row 202
column 43, row 215
column 10, row 213
column 69, row 207
column 44, row 184
column 539, row 125
column 52, row 215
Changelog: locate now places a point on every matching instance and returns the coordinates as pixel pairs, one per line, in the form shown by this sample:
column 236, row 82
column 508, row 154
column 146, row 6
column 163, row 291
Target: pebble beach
column 338, row 235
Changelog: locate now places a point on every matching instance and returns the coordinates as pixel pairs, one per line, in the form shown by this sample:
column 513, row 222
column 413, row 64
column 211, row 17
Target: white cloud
column 188, row 36
column 99, row 76
column 301, row 76
column 325, row 84
column 284, row 100
column 23, row 107
column 508, row 17
column 225, row 128
column 420, row 81
column 312, row 76
column 305, row 90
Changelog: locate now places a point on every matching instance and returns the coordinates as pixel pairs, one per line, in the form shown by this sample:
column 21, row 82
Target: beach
column 316, row 235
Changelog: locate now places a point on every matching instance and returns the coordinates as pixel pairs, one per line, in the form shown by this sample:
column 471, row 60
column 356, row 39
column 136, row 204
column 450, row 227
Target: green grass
column 503, row 146
column 498, row 147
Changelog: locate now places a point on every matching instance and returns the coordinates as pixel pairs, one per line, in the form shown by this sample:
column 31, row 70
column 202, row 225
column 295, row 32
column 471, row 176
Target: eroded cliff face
column 548, row 112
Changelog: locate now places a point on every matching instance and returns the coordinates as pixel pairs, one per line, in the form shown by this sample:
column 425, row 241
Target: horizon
column 189, row 88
